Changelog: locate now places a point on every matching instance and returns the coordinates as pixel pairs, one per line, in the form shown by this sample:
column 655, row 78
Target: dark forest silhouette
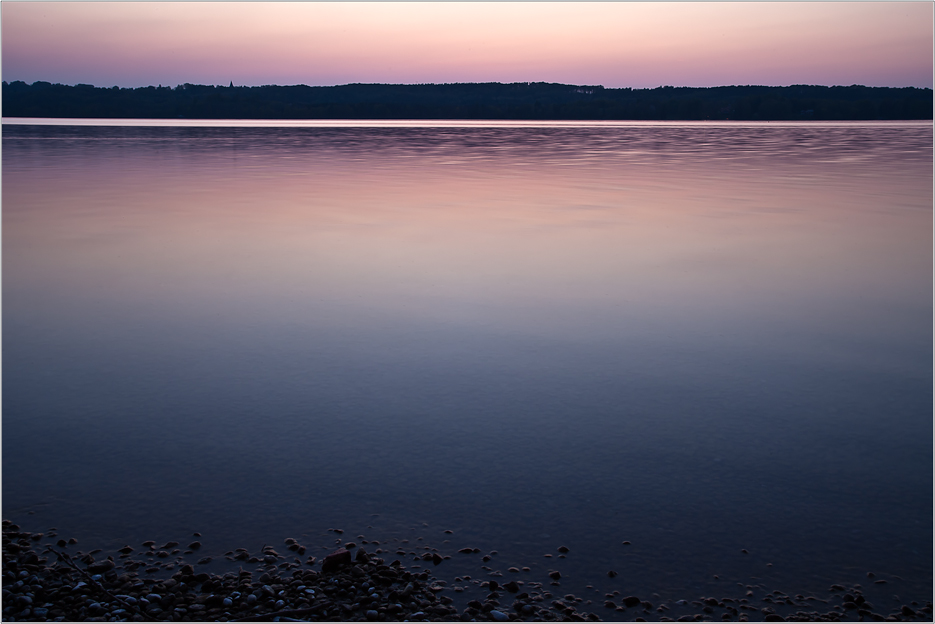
column 539, row 100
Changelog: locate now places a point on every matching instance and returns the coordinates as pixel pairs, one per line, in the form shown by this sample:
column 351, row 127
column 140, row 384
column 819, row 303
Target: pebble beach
column 48, row 577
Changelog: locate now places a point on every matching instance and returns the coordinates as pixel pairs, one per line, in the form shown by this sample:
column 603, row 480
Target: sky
column 639, row 45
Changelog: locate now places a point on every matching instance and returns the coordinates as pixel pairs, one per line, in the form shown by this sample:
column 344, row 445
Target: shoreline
column 48, row 578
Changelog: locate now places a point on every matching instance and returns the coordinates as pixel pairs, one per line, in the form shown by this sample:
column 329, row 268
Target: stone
column 563, row 549
column 436, row 558
column 611, row 573
column 499, row 616
column 99, row 567
column 631, row 601
column 195, row 545
column 555, row 575
column 335, row 560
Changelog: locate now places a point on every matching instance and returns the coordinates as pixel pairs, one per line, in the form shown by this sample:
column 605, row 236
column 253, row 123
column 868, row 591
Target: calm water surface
column 695, row 338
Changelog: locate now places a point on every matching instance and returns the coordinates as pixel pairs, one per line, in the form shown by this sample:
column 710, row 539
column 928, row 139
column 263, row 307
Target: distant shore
column 469, row 101
column 46, row 577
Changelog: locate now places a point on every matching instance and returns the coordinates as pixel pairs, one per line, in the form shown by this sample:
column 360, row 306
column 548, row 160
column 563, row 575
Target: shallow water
column 697, row 338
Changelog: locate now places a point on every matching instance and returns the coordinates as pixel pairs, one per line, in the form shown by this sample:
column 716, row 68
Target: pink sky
column 613, row 44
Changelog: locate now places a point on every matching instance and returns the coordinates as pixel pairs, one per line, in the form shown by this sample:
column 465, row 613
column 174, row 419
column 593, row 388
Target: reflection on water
column 694, row 338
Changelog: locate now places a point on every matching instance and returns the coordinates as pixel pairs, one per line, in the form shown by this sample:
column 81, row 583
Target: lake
column 697, row 338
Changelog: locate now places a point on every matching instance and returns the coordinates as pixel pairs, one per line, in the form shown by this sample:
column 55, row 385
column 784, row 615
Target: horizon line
column 424, row 84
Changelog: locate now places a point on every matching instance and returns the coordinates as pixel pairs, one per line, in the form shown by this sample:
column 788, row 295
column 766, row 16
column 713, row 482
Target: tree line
column 515, row 101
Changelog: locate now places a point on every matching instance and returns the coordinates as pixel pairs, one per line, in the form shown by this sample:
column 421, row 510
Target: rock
column 493, row 586
column 436, row 558
column 499, row 616
column 774, row 617
column 511, row 587
column 466, row 551
column 362, row 556
column 195, row 545
column 99, row 567
column 372, row 615
column 626, row 543
column 350, row 545
column 335, row 560
column 631, row 601
column 611, row 573
column 563, row 549
column 555, row 575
